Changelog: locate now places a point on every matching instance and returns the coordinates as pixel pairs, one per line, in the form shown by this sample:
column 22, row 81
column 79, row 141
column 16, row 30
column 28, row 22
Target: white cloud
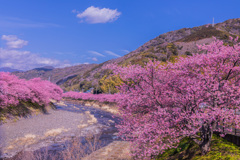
column 95, row 59
column 97, row 53
column 24, row 60
column 98, row 15
column 112, row 53
column 14, row 42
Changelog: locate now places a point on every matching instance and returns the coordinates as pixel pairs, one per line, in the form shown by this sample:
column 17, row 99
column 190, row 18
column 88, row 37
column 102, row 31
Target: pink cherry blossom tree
column 14, row 90
column 161, row 104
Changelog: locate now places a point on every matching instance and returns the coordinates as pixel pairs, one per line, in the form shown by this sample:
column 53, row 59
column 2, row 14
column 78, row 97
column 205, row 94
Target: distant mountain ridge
column 7, row 69
column 165, row 47
column 45, row 68
column 55, row 75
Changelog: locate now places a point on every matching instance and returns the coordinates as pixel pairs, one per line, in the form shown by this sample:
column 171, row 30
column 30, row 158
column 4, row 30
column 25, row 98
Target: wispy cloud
column 112, row 53
column 64, row 53
column 97, row 53
column 24, row 60
column 14, row 22
column 74, row 11
column 95, row 59
column 98, row 15
column 13, row 41
column 126, row 51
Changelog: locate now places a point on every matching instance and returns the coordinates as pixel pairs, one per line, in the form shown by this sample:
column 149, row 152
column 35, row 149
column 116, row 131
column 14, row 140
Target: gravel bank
column 67, row 121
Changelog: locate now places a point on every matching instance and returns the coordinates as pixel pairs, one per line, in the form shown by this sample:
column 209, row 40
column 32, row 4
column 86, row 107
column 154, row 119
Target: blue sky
column 68, row 32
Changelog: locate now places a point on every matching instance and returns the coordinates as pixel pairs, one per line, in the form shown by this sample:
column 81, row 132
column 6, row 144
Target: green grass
column 221, row 149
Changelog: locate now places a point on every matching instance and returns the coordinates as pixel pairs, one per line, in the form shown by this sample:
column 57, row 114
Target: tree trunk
column 206, row 137
column 205, row 146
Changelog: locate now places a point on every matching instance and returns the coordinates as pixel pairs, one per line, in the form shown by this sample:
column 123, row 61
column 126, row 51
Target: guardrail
column 233, row 136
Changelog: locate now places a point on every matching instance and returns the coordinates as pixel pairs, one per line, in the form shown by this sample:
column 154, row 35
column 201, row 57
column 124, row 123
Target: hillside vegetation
column 165, row 47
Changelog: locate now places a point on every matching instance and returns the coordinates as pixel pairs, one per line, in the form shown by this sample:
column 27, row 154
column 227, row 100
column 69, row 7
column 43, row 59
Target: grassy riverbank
column 23, row 109
column 221, row 149
column 106, row 106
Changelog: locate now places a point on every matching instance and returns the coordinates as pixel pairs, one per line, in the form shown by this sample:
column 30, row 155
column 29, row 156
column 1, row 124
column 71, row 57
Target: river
column 54, row 130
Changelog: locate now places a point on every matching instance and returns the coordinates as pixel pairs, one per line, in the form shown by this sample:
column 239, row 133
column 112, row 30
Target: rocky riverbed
column 52, row 130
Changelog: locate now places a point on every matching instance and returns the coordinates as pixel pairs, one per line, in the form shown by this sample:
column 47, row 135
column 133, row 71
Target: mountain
column 55, row 75
column 7, row 69
column 165, row 47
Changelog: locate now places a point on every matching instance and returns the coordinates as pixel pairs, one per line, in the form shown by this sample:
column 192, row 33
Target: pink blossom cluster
column 88, row 96
column 13, row 90
column 160, row 104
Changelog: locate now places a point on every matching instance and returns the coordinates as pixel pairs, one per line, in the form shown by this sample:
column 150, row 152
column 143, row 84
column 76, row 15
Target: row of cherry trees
column 14, row 90
column 95, row 97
